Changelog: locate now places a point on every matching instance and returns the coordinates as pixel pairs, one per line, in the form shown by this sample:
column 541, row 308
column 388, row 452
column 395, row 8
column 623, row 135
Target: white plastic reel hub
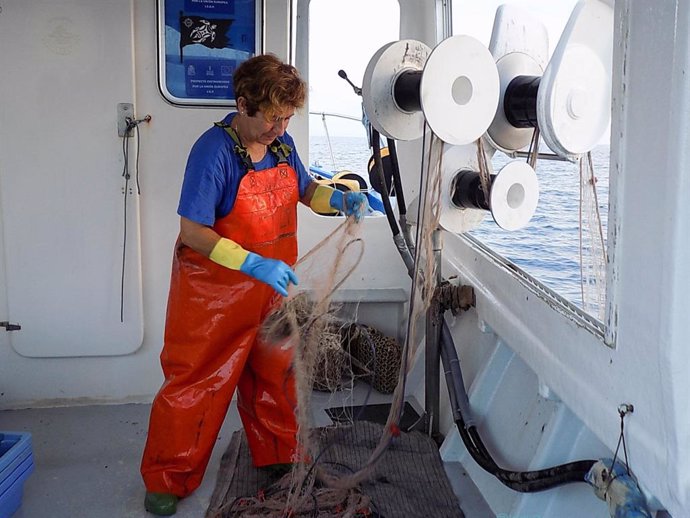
column 574, row 100
column 385, row 66
column 514, row 195
column 459, row 89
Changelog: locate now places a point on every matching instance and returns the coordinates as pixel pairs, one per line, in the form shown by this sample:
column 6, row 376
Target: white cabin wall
column 650, row 167
column 165, row 143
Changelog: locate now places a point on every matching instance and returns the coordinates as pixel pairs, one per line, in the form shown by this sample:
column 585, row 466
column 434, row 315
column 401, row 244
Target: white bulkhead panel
column 61, row 185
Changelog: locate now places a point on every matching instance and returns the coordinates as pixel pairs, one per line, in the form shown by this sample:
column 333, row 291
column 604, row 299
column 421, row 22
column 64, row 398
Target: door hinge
column 10, row 327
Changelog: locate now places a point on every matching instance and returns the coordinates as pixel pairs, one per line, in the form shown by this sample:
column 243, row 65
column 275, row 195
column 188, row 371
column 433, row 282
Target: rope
column 328, row 139
column 533, row 152
column 484, row 175
column 311, row 489
column 623, row 410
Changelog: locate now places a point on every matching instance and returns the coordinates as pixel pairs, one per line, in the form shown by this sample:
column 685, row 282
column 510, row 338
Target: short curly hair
column 269, row 85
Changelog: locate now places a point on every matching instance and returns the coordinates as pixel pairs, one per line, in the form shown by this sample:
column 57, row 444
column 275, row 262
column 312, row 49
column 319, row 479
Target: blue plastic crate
column 16, row 464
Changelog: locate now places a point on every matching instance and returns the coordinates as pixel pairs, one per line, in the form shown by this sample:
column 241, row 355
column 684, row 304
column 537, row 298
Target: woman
column 233, row 258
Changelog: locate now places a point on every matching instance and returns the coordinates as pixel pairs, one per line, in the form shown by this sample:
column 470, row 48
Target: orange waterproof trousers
column 212, row 345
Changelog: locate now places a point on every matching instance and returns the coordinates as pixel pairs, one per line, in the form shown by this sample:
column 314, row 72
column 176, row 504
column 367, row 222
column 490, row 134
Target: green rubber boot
column 161, row 504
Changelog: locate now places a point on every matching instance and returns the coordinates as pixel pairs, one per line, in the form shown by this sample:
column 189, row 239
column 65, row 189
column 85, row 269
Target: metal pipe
column 434, row 319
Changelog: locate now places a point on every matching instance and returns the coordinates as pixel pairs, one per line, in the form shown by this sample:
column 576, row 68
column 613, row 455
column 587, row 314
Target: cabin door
column 66, row 65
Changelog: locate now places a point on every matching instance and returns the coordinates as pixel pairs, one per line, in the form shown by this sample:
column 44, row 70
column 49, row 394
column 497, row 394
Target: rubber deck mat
column 408, row 482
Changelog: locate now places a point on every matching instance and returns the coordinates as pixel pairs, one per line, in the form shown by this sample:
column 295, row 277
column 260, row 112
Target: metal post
column 433, row 351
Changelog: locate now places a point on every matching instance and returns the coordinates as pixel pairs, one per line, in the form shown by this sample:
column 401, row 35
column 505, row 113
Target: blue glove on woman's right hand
column 350, row 203
column 273, row 272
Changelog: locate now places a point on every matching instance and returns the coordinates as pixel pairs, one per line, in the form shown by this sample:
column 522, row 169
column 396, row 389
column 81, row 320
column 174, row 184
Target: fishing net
column 412, row 467
column 592, row 245
column 310, row 324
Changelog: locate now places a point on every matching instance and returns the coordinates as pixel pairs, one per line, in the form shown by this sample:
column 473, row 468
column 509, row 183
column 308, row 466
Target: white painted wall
column 165, row 143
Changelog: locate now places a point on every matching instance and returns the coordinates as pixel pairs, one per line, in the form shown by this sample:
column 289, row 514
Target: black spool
column 520, row 101
column 406, row 90
column 467, row 191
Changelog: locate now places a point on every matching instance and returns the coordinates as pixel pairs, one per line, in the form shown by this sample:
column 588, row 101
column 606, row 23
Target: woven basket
column 329, row 363
column 376, row 357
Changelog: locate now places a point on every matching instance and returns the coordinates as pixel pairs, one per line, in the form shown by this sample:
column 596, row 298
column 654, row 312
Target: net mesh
column 309, row 324
column 592, row 245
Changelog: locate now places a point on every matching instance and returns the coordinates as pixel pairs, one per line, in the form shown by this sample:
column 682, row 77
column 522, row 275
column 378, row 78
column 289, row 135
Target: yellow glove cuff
column 228, row 253
column 321, row 200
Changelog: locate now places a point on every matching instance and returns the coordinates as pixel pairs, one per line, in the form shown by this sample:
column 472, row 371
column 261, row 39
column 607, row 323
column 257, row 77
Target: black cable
column 378, row 165
column 126, row 176
column 132, row 124
column 397, row 181
column 522, row 481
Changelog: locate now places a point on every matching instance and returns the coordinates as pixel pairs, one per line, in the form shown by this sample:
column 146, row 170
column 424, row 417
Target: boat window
column 567, row 230
column 343, row 36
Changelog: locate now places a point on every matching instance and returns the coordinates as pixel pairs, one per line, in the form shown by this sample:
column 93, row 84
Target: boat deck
column 87, row 459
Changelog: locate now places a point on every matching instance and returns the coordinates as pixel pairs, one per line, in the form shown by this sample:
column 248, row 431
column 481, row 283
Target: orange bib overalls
column 212, row 344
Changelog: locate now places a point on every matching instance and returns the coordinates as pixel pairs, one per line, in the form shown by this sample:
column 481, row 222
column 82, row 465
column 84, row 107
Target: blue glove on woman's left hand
column 350, row 203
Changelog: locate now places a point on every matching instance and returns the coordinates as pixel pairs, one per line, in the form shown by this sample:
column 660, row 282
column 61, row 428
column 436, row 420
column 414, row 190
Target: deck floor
column 87, row 459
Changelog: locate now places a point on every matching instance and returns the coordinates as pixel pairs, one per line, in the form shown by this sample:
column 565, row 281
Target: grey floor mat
column 409, row 481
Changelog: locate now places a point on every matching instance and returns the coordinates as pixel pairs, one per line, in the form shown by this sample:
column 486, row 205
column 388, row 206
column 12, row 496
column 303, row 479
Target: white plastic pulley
column 519, row 44
column 452, row 218
column 574, row 99
column 386, row 65
column 459, row 89
column 514, row 195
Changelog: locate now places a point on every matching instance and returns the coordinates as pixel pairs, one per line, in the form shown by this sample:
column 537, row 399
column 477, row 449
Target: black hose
column 402, row 206
column 522, row 481
column 397, row 181
column 378, row 165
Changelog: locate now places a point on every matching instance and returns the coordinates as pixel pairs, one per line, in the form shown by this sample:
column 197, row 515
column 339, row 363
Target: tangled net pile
column 311, row 489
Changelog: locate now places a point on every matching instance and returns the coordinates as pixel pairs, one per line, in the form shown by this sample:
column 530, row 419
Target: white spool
column 519, row 44
column 513, row 198
column 514, row 195
column 383, row 69
column 457, row 93
column 459, row 90
column 503, row 135
column 454, row 219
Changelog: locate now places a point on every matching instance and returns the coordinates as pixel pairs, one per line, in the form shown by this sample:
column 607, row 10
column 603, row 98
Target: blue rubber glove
column 350, row 203
column 273, row 272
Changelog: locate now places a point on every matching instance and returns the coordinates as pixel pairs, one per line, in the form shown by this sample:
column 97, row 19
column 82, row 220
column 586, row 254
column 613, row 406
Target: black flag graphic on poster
column 211, row 33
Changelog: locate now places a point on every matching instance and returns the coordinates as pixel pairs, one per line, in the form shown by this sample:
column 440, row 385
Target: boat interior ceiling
column 526, row 246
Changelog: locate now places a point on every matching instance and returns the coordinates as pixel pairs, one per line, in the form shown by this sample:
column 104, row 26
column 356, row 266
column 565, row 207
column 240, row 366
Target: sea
column 548, row 248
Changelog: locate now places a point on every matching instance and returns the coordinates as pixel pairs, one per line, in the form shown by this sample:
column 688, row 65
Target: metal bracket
column 124, row 111
column 10, row 327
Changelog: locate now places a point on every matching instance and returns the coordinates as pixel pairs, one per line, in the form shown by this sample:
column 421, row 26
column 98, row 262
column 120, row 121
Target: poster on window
column 201, row 43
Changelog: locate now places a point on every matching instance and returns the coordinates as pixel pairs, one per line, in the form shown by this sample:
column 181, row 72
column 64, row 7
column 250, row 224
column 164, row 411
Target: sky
column 342, row 37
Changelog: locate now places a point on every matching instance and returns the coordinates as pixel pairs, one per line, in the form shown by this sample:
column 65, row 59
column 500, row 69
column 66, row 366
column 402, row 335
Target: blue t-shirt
column 213, row 173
